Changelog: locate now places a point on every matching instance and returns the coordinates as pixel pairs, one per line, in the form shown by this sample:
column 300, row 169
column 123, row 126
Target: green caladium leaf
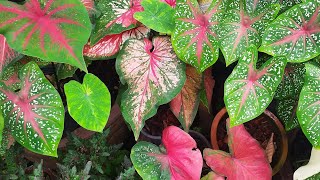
column 286, row 110
column 7, row 55
column 248, row 91
column 10, row 76
column 1, row 127
column 294, row 34
column 156, row 15
column 89, row 103
column 154, row 76
column 47, row 32
column 308, row 112
column 194, row 38
column 243, row 25
column 35, row 114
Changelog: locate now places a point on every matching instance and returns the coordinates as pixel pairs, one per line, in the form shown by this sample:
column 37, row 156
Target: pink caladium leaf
column 194, row 38
column 295, row 33
column 247, row 159
column 35, row 114
column 172, row 3
column 248, row 91
column 177, row 159
column 110, row 45
column 52, row 32
column 154, row 76
column 7, row 55
column 242, row 26
column 116, row 17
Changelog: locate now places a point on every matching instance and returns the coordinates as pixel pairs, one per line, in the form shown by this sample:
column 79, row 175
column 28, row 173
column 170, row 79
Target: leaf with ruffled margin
column 286, row 110
column 178, row 158
column 35, row 114
column 194, row 38
column 7, row 55
column 248, row 91
column 294, row 34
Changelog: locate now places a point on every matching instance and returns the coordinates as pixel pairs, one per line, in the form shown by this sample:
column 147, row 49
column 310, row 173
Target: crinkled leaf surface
column 35, row 114
column 178, row 159
column 286, row 110
column 154, row 76
column 308, row 112
column 89, row 103
column 156, row 15
column 294, row 34
column 247, row 159
column 52, row 32
column 242, row 26
column 7, row 55
column 185, row 105
column 194, row 38
column 248, row 91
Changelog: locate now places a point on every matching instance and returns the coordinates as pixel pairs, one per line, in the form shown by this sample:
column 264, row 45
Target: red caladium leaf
column 7, row 55
column 154, row 76
column 177, row 159
column 116, row 17
column 185, row 105
column 247, row 159
column 51, row 33
column 35, row 114
column 194, row 37
column 110, row 45
column 295, row 33
column 172, row 3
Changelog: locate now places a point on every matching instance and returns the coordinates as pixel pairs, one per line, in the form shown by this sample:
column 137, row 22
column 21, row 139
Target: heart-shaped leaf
column 248, row 91
column 156, row 15
column 246, row 161
column 178, row 159
column 308, row 112
column 243, row 25
column 7, row 55
column 89, row 103
column 294, row 34
column 154, row 76
column 185, row 105
column 35, row 114
column 286, row 110
column 194, row 37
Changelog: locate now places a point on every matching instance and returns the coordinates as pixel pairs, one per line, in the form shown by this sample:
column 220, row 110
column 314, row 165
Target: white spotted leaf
column 287, row 113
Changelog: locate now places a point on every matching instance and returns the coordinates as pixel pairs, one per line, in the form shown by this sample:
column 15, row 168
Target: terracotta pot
column 280, row 137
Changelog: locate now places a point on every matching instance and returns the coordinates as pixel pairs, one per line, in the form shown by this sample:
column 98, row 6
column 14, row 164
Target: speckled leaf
column 1, row 127
column 7, row 55
column 47, row 32
column 243, row 25
column 286, row 4
column 308, row 112
column 35, row 114
column 89, row 103
column 10, row 76
column 154, row 76
column 116, row 17
column 248, row 91
column 194, row 38
column 286, row 110
column 185, row 105
column 294, row 34
column 156, row 15
column 178, row 158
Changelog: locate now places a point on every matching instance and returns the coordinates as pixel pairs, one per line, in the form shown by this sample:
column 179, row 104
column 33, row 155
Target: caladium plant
column 7, row 55
column 287, row 112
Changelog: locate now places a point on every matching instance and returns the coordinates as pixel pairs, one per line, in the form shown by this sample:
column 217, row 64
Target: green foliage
column 67, row 173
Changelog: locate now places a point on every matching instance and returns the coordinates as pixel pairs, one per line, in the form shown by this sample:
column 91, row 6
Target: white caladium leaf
column 294, row 34
column 35, row 114
column 154, row 76
column 287, row 113
column 248, row 91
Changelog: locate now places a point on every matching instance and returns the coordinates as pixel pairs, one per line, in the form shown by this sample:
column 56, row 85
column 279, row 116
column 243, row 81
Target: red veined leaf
column 247, row 159
column 7, row 55
column 116, row 17
column 154, row 76
column 178, row 159
column 10, row 76
column 172, row 3
column 35, row 114
column 89, row 4
column 51, row 33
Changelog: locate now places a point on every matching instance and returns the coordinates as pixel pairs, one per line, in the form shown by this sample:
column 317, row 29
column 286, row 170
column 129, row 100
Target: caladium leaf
column 10, row 76
column 194, row 37
column 154, row 76
column 1, row 127
column 308, row 112
column 207, row 89
column 247, row 159
column 7, row 55
column 286, row 110
column 248, row 91
column 243, row 25
column 294, row 34
column 156, row 15
column 116, row 17
column 172, row 3
column 185, row 105
column 35, row 114
column 89, row 4
column 179, row 157
column 212, row 176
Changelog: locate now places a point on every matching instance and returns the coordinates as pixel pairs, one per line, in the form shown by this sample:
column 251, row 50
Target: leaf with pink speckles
column 35, row 114
column 248, row 91
column 7, row 55
column 154, row 76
